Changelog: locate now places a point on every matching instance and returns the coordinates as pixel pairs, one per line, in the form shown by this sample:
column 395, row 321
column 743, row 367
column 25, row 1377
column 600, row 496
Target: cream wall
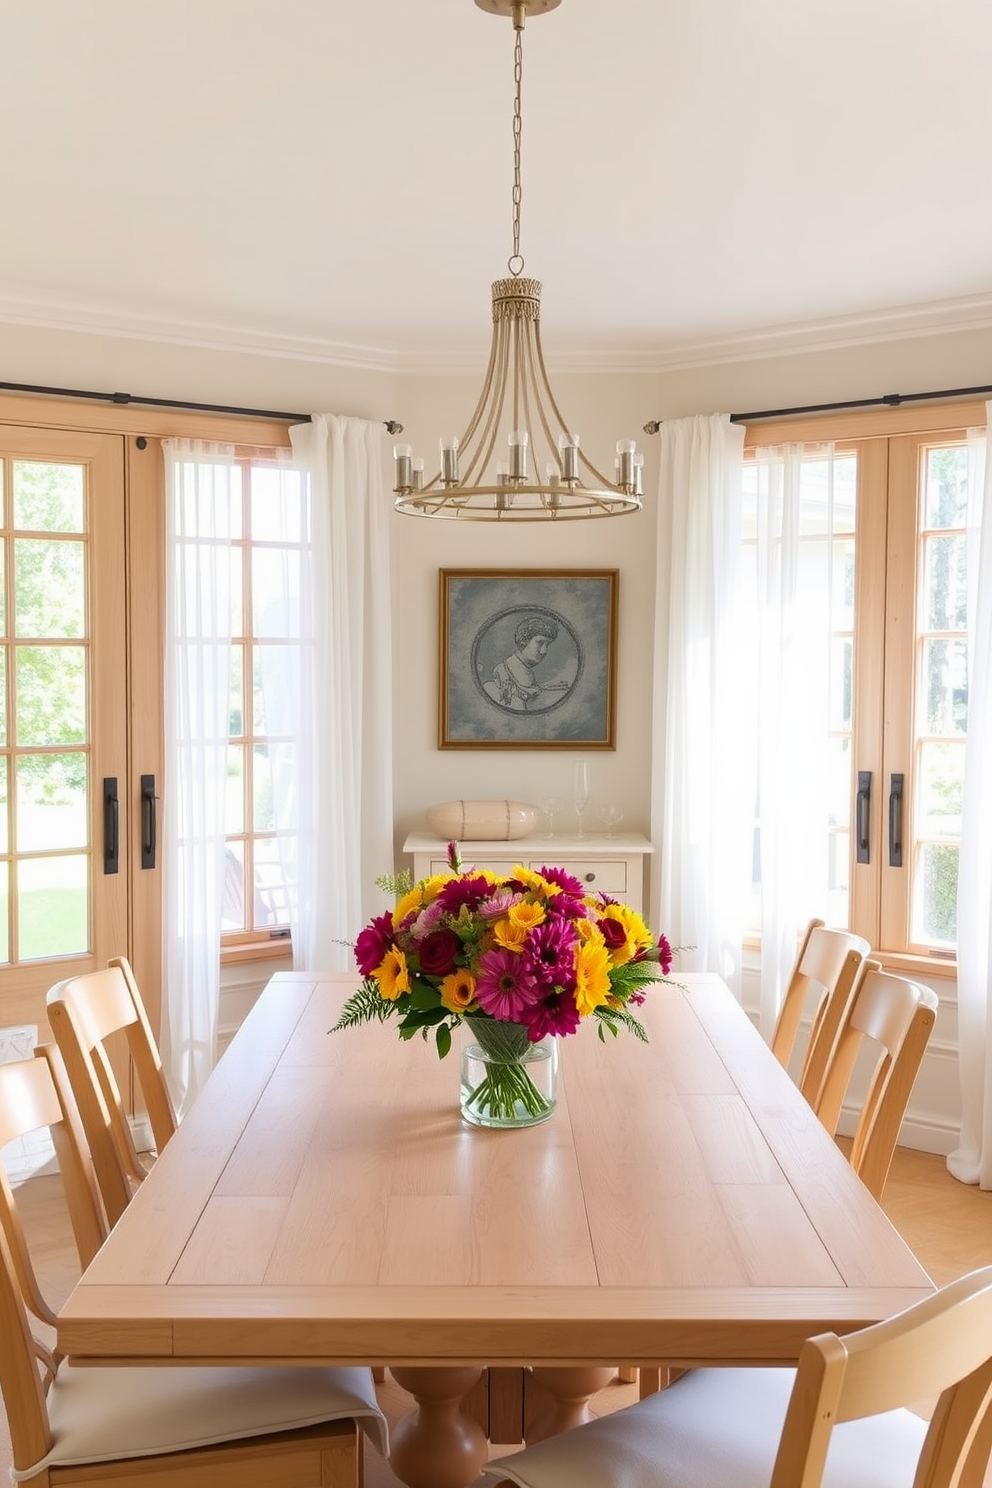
column 602, row 406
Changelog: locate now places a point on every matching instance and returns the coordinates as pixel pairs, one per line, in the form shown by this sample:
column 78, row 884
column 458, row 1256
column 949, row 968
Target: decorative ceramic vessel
column 482, row 821
column 506, row 1081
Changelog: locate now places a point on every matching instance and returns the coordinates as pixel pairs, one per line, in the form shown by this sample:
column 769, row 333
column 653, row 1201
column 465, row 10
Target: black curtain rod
column 127, row 398
column 888, row 400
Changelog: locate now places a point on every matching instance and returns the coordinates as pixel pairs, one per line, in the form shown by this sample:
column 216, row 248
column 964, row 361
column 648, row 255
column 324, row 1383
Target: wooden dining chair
column 85, row 1012
column 176, row 1427
column 893, row 1018
column 840, row 1419
column 824, row 974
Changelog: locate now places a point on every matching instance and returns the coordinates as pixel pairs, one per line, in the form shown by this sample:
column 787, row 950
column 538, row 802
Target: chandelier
column 517, row 460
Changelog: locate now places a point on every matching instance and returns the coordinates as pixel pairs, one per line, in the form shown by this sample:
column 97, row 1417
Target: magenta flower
column 664, row 955
column 505, row 985
column 567, row 882
column 373, row 943
column 550, row 950
column 467, row 891
column 553, row 1014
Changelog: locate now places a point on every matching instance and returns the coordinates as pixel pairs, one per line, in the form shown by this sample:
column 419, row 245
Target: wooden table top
column 323, row 1200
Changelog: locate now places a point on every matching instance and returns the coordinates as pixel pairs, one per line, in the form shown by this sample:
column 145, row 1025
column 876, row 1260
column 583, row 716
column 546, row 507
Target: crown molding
column 202, row 335
column 945, row 317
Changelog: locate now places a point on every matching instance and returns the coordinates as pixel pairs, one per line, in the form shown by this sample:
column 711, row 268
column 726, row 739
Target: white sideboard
column 609, row 865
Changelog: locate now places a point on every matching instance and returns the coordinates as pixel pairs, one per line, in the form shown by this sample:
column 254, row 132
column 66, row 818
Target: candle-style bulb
column 568, row 446
column 401, row 454
column 518, row 454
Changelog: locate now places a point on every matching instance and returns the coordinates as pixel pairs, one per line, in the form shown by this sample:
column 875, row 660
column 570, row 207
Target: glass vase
column 506, row 1081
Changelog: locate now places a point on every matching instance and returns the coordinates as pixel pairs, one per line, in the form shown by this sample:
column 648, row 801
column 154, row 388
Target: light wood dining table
column 324, row 1202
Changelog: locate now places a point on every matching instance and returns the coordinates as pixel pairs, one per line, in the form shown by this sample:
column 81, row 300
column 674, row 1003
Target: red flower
column 373, row 943
column 664, row 955
column 438, row 952
column 612, row 932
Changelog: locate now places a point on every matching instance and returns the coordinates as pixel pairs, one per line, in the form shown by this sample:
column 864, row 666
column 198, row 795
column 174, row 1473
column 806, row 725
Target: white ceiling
column 334, row 179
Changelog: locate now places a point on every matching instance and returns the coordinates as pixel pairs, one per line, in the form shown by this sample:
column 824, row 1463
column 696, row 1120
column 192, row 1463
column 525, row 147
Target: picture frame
column 527, row 658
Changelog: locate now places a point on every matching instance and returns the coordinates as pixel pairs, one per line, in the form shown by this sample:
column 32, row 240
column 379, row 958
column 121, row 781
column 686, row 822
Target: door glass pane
column 52, row 906
column 935, row 895
column 945, row 493
column 49, row 589
column 263, row 815
column 51, row 695
column 940, row 790
column 233, row 907
column 48, row 497
column 51, row 802
column 945, row 582
column 234, row 797
column 944, row 693
column 4, row 828
column 271, row 907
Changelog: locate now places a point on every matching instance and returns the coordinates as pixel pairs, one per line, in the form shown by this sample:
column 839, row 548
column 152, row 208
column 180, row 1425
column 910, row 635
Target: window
column 267, row 630
column 882, row 581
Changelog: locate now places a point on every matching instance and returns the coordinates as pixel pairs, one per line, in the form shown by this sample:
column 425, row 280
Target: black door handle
column 895, row 820
column 862, row 817
column 149, row 821
column 111, row 825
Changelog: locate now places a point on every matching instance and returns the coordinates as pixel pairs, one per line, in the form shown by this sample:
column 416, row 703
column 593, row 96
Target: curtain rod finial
column 392, row 427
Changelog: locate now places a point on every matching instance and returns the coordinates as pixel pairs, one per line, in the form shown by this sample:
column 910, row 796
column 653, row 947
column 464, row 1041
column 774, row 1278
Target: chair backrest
column 84, row 1012
column 34, row 1094
column 826, row 969
column 940, row 1348
column 896, row 1016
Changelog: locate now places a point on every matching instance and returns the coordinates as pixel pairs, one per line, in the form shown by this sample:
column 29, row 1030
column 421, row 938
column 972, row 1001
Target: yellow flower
column 432, row 886
column 458, row 991
column 589, row 930
column 392, row 976
column 526, row 915
column 509, row 935
column 412, row 900
column 534, row 882
column 592, row 976
column 637, row 936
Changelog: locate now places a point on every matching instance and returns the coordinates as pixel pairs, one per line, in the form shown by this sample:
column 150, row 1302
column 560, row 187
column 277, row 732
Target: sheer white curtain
column 791, row 591
column 972, row 1160
column 202, row 506
column 346, row 793
column 701, row 805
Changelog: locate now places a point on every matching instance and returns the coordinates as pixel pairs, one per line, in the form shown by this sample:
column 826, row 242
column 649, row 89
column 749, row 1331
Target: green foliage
column 396, row 884
column 367, row 1005
column 611, row 1020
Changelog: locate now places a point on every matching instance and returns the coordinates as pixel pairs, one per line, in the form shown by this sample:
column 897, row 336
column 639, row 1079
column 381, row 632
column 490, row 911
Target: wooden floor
column 947, row 1224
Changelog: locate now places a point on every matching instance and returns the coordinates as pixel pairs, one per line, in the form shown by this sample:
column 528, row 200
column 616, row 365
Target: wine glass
column 581, row 791
column 610, row 815
column 552, row 806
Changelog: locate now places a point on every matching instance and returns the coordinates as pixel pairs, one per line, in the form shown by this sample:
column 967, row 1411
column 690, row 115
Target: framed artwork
column 527, row 658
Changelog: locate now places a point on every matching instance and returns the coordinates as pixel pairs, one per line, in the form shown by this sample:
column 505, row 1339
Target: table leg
column 570, row 1390
column 437, row 1445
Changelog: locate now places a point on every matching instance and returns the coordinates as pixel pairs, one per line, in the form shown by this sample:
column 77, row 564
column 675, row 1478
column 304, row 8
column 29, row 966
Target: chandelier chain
column 516, row 263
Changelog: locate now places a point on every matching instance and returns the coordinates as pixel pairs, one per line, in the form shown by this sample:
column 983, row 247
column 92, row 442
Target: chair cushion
column 98, row 1415
column 713, row 1428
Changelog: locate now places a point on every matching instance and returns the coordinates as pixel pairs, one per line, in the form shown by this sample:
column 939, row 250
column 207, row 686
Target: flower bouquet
column 517, row 960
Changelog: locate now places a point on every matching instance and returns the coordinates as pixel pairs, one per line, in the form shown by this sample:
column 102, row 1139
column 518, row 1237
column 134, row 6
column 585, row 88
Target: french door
column 66, row 802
